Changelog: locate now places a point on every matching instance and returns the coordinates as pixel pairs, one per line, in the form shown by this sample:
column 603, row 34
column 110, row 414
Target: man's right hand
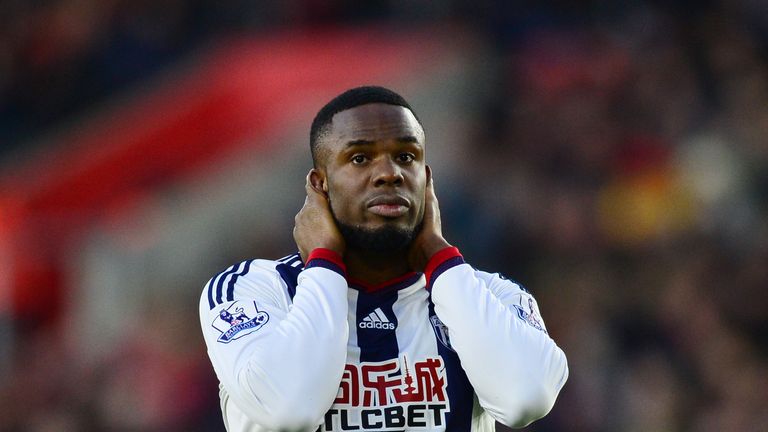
column 314, row 224
column 430, row 239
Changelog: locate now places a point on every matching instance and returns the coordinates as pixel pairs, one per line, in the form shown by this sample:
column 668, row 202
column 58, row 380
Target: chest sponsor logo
column 390, row 396
column 238, row 320
column 376, row 320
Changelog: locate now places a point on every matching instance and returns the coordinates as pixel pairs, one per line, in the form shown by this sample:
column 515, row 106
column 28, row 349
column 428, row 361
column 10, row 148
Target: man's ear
column 318, row 181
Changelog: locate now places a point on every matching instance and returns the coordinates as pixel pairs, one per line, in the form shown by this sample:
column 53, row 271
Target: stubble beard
column 387, row 240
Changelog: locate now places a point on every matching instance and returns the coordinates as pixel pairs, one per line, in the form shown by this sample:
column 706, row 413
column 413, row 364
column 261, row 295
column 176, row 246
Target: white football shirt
column 300, row 347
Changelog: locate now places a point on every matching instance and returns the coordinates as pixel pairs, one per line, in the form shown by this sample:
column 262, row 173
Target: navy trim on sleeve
column 319, row 262
column 441, row 268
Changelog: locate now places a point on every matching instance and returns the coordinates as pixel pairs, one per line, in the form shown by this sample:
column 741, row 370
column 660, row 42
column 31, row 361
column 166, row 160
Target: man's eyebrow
column 407, row 139
column 359, row 142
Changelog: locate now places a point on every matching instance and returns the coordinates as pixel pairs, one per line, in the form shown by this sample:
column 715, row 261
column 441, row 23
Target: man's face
column 373, row 161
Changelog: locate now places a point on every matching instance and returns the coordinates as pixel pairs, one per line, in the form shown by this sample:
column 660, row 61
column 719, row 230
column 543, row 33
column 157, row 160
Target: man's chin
column 381, row 240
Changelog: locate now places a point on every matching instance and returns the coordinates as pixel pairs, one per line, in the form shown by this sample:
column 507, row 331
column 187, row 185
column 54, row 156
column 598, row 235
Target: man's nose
column 388, row 172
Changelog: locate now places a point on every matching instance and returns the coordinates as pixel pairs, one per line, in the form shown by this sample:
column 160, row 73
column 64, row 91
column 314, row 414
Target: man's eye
column 405, row 157
column 358, row 159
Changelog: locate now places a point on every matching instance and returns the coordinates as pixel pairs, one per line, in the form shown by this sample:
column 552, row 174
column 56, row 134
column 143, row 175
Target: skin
column 371, row 151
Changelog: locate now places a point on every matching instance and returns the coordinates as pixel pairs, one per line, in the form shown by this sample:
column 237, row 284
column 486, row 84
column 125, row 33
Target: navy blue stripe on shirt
column 220, row 283
column 460, row 391
column 231, row 286
column 287, row 258
column 213, row 281
column 290, row 275
column 319, row 262
column 376, row 337
column 291, row 259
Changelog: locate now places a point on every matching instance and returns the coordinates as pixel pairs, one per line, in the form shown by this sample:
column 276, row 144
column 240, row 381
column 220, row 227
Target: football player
column 378, row 323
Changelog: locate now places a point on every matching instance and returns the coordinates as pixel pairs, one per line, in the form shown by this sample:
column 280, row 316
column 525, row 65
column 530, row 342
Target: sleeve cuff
column 440, row 262
column 326, row 258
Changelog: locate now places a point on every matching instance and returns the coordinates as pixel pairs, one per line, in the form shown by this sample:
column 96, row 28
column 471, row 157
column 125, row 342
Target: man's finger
column 431, row 197
column 308, row 184
column 430, row 181
column 431, row 205
column 313, row 196
column 312, row 191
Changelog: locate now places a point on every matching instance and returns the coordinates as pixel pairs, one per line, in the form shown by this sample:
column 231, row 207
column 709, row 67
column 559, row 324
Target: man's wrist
column 441, row 261
column 329, row 245
column 434, row 247
column 425, row 250
column 327, row 258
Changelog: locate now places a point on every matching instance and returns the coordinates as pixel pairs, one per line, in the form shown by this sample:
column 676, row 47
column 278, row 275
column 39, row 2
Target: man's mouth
column 390, row 206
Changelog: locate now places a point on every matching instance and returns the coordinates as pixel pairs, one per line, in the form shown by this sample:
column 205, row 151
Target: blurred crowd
column 625, row 179
column 618, row 169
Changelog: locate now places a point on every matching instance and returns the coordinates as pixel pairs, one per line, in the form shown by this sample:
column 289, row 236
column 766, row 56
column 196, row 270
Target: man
column 377, row 324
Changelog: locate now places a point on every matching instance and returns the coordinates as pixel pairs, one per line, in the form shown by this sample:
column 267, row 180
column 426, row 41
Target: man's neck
column 375, row 269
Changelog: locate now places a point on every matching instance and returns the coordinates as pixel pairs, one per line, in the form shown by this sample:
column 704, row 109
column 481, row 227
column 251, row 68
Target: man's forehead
column 374, row 122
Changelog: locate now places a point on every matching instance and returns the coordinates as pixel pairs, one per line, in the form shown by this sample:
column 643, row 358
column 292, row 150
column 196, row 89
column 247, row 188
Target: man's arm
column 515, row 368
column 279, row 355
column 282, row 364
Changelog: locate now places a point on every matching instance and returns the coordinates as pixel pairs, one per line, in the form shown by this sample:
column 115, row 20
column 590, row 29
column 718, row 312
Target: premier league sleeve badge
column 238, row 320
column 530, row 316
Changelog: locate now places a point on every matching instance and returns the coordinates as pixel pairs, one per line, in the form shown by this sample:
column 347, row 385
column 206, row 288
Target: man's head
column 350, row 99
column 368, row 152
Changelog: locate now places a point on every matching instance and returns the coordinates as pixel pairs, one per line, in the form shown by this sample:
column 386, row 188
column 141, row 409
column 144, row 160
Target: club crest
column 238, row 320
column 441, row 331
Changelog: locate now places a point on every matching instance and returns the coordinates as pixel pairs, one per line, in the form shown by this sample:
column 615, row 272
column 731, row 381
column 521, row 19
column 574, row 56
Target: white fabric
column 286, row 373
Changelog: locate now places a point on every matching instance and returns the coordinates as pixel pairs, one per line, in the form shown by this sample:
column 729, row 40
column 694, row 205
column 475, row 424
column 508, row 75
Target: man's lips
column 388, row 205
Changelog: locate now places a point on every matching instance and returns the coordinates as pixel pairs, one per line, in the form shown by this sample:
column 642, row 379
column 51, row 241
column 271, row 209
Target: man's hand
column 430, row 238
column 314, row 225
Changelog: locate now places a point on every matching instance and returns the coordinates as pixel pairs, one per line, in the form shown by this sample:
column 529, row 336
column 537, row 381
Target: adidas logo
column 376, row 320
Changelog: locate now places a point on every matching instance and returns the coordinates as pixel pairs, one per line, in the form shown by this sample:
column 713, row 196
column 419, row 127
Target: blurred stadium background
column 611, row 156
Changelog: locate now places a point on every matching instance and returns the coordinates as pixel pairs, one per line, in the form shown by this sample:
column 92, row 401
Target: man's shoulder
column 498, row 278
column 253, row 277
column 256, row 267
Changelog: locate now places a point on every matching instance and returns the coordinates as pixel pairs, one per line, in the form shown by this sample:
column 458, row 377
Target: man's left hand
column 430, row 239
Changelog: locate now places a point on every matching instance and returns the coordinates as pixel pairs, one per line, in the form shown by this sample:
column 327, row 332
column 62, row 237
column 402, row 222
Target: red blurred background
column 613, row 157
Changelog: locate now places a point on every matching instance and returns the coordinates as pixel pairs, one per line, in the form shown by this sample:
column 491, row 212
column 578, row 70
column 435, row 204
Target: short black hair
column 349, row 99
